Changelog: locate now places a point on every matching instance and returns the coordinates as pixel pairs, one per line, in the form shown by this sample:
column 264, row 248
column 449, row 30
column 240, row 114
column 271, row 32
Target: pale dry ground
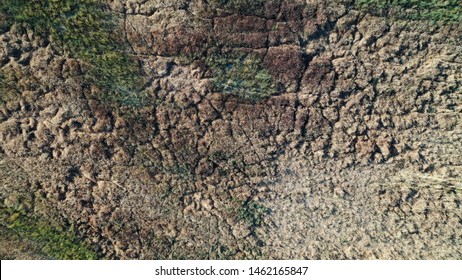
column 390, row 211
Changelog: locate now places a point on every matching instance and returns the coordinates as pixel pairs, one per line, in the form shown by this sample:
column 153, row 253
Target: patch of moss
column 243, row 76
column 82, row 29
column 449, row 11
column 53, row 242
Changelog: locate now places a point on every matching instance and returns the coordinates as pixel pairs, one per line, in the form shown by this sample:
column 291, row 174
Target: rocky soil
column 358, row 156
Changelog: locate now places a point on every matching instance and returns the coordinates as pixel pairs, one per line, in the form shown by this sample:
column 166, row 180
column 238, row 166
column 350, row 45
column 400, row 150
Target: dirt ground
column 358, row 155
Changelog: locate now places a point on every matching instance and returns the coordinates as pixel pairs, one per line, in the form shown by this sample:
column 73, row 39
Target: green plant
column 242, row 76
column 252, row 213
column 53, row 242
column 449, row 11
column 81, row 29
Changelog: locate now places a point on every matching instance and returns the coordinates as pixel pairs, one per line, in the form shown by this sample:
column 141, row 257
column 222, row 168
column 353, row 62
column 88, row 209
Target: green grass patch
column 82, row 29
column 447, row 11
column 54, row 243
column 243, row 76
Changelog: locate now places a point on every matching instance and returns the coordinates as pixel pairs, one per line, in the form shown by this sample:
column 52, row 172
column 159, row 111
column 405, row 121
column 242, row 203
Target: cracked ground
column 357, row 156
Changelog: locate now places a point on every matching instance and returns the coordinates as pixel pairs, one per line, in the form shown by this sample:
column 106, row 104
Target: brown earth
column 358, row 157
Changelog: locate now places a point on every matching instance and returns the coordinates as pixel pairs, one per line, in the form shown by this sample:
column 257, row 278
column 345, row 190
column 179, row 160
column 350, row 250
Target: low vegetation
column 8, row 89
column 449, row 11
column 53, row 243
column 238, row 6
column 80, row 29
column 243, row 76
column 252, row 213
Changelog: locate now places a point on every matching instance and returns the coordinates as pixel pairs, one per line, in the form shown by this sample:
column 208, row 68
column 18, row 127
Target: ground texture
column 356, row 155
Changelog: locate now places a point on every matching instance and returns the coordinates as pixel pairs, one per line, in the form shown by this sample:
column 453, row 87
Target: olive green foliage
column 81, row 29
column 53, row 242
column 448, row 11
column 252, row 213
column 243, row 76
column 239, row 6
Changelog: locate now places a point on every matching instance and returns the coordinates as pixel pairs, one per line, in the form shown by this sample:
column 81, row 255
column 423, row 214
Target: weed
column 54, row 243
column 242, row 76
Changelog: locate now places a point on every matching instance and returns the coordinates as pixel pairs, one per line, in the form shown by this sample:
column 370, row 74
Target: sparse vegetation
column 252, row 213
column 7, row 86
column 53, row 242
column 435, row 10
column 242, row 76
column 239, row 6
column 81, row 29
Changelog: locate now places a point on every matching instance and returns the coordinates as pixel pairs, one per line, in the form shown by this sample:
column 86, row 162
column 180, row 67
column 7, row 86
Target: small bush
column 242, row 76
